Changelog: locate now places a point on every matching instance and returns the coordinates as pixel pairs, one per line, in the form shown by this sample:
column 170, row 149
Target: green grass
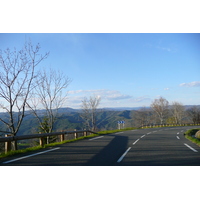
column 115, row 131
column 10, row 153
column 189, row 135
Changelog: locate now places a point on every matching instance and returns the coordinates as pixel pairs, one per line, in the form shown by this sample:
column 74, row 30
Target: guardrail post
column 62, row 137
column 42, row 141
column 7, row 145
column 85, row 133
column 75, row 134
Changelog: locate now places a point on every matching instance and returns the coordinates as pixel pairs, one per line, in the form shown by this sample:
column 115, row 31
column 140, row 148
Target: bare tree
column 17, row 72
column 89, row 111
column 143, row 117
column 194, row 114
column 160, row 107
column 48, row 96
column 177, row 110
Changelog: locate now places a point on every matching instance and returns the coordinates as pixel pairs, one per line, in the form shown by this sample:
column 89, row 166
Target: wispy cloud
column 160, row 46
column 141, row 99
column 108, row 97
column 192, row 84
column 103, row 93
column 164, row 48
column 166, row 88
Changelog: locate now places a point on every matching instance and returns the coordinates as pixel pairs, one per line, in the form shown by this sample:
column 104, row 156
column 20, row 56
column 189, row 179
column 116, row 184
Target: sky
column 124, row 69
column 115, row 61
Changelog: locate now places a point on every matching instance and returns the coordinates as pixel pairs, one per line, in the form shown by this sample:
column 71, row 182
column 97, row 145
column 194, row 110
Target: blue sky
column 125, row 69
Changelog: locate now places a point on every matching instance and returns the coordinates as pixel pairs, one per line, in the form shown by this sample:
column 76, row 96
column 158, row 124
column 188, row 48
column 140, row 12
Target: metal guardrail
column 166, row 125
column 8, row 139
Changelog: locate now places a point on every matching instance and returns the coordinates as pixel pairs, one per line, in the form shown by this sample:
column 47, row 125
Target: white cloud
column 75, row 97
column 164, row 48
column 166, row 88
column 103, row 93
column 141, row 99
column 192, row 84
column 118, row 96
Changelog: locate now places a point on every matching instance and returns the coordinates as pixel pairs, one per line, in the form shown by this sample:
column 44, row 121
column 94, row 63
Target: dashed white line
column 136, row 141
column 178, row 137
column 142, row 136
column 177, row 133
column 96, row 138
column 148, row 133
column 190, row 147
column 121, row 158
column 35, row 154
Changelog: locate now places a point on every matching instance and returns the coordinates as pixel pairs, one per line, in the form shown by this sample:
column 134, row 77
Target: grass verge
column 3, row 155
column 190, row 136
column 10, row 153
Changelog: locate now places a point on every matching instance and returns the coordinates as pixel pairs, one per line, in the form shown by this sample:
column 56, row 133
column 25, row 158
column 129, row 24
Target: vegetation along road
column 164, row 146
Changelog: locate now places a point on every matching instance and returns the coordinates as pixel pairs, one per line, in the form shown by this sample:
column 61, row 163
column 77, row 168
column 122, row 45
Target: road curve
column 142, row 147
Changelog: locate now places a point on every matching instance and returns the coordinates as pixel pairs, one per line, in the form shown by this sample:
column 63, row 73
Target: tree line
column 161, row 112
column 25, row 85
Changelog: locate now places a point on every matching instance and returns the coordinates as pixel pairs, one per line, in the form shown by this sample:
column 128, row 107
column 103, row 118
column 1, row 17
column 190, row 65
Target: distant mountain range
column 70, row 119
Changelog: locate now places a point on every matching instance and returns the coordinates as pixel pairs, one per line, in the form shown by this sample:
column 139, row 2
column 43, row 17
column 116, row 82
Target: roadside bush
column 197, row 134
column 190, row 136
column 191, row 132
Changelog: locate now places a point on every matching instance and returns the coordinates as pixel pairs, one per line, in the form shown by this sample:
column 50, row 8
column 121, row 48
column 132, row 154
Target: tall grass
column 190, row 136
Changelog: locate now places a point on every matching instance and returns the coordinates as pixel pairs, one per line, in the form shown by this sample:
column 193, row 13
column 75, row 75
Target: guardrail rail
column 8, row 139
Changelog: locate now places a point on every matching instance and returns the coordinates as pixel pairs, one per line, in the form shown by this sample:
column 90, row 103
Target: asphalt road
column 147, row 147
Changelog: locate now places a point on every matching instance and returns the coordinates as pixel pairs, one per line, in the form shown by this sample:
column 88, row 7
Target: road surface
column 141, row 147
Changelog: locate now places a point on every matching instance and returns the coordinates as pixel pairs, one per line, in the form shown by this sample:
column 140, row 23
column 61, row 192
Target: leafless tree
column 17, row 72
column 89, row 111
column 160, row 107
column 177, row 110
column 143, row 116
column 48, row 95
column 194, row 114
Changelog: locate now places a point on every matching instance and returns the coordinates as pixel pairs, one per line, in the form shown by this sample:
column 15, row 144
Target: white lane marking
column 177, row 133
column 35, row 154
column 190, row 147
column 96, row 138
column 178, row 138
column 148, row 133
column 118, row 133
column 142, row 136
column 121, row 158
column 136, row 141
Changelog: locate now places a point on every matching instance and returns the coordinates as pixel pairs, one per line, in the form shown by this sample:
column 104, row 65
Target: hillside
column 70, row 119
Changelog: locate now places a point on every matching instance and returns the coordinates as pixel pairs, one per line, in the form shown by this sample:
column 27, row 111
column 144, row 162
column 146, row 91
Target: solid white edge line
column 96, row 138
column 121, row 158
column 190, row 147
column 118, row 133
column 35, row 154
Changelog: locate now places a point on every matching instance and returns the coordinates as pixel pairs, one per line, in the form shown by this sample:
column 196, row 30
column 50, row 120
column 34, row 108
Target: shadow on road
column 109, row 155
